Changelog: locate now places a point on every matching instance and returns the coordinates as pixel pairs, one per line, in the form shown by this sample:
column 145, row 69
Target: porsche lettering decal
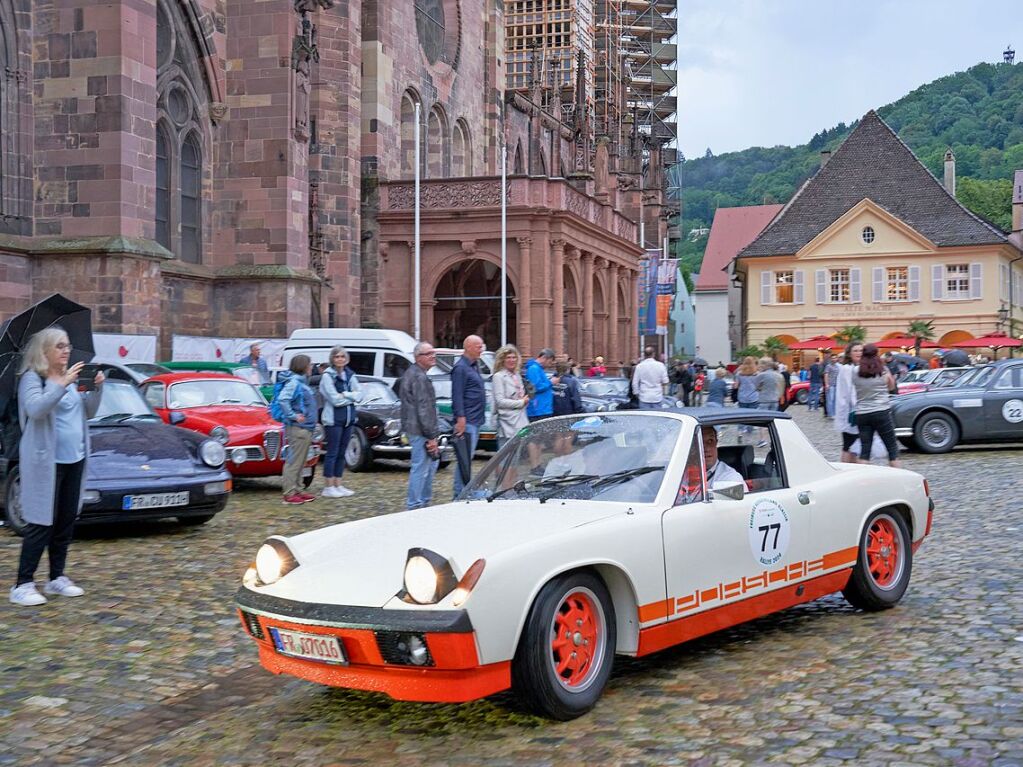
column 747, row 585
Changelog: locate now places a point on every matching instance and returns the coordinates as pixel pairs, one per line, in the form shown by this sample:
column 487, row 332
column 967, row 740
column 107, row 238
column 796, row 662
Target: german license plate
column 326, row 649
column 154, row 501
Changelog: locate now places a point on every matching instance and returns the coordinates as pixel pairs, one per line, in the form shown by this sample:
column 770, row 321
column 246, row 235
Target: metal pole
column 504, row 245
column 417, row 309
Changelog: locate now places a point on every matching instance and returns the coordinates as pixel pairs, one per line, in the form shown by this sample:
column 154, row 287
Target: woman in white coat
column 53, row 454
column 510, row 398
column 845, row 401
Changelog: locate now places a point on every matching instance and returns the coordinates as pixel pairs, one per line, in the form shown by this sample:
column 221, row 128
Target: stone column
column 524, row 334
column 587, row 349
column 632, row 338
column 558, row 273
column 613, row 353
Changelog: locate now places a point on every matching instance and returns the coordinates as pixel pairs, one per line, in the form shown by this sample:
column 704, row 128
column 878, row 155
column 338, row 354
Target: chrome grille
column 272, row 444
column 253, row 453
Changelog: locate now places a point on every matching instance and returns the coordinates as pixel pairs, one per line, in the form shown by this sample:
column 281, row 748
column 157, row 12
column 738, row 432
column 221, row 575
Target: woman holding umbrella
column 54, row 450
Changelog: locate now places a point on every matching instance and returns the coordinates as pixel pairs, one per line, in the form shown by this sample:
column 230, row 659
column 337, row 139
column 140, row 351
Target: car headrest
column 739, row 457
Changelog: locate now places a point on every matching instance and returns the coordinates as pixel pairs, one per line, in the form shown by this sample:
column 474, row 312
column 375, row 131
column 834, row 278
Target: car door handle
column 804, row 497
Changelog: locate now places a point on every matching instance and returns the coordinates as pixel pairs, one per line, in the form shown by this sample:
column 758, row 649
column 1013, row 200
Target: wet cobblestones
column 152, row 668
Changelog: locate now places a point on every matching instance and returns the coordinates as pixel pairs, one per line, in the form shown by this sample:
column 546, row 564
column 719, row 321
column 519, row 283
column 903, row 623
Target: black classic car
column 139, row 467
column 377, row 432
column 983, row 405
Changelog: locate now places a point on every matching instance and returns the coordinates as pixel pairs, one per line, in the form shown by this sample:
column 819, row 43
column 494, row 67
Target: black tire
column 936, row 432
column 802, row 396
column 535, row 678
column 909, row 443
column 358, row 456
column 196, row 520
column 12, row 503
column 881, row 577
column 443, row 465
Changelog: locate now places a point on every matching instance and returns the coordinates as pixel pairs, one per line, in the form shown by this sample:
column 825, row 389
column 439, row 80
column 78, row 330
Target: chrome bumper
column 904, row 431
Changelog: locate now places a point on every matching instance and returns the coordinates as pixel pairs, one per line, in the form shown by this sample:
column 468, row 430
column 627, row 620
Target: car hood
column 224, row 415
column 362, row 563
column 121, row 451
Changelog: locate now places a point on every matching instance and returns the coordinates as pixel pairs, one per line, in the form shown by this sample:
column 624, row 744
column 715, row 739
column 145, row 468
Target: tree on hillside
column 851, row 333
column 990, row 199
column 921, row 330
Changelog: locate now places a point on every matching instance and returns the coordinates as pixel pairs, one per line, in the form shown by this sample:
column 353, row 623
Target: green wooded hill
column 979, row 113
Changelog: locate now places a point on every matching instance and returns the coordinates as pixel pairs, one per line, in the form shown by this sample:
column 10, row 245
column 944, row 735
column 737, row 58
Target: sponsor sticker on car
column 769, row 531
column 326, row 649
column 154, row 501
column 1012, row 411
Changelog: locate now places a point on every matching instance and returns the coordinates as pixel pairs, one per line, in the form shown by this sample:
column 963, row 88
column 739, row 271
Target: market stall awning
column 904, row 342
column 993, row 341
column 815, row 344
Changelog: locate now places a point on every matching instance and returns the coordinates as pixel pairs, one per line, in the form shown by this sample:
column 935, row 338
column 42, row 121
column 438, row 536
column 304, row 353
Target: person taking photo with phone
column 54, row 450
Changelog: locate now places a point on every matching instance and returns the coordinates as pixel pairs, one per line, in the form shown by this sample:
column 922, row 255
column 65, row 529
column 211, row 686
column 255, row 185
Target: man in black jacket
column 419, row 422
column 567, row 398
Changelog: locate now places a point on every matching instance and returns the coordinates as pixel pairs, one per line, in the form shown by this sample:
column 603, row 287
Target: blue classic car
column 139, row 467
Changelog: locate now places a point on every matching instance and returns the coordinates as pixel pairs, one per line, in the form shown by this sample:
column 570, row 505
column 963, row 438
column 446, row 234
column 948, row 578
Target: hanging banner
column 648, row 293
column 667, row 272
column 206, row 349
column 117, row 347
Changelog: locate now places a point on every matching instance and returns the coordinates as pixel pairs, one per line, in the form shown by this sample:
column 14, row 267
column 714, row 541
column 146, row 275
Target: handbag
column 852, row 417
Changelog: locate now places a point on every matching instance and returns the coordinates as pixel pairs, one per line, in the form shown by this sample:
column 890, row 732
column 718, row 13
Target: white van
column 385, row 354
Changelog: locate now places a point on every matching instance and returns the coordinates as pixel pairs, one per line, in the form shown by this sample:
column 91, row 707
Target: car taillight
column 927, row 489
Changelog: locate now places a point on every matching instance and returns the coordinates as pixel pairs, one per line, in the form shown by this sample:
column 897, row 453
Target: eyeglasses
column 64, row 347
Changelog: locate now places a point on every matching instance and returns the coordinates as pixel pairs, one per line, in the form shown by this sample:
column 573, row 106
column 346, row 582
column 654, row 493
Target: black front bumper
column 346, row 616
column 109, row 507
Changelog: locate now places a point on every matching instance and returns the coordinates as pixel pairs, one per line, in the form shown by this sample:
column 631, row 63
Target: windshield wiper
column 610, row 479
column 523, row 485
column 118, row 417
column 228, row 401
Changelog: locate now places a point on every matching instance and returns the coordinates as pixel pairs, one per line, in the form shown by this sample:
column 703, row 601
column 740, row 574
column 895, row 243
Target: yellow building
column 874, row 239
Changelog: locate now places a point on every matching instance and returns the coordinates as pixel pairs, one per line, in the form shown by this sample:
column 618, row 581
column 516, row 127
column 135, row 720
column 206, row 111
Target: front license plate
column 325, row 649
column 154, row 501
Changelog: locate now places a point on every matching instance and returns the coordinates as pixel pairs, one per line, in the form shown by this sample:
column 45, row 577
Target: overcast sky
column 767, row 72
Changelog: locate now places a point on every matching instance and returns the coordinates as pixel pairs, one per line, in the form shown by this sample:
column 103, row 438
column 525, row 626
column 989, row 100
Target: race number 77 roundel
column 769, row 531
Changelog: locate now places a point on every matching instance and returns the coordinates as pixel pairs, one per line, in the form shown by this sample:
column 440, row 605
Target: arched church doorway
column 467, row 301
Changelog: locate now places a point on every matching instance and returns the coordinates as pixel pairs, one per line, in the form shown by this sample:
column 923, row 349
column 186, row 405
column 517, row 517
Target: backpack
column 275, row 401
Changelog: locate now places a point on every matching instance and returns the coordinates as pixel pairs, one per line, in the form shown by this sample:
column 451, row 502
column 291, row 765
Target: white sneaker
column 63, row 586
column 343, row 492
column 328, row 492
column 27, row 595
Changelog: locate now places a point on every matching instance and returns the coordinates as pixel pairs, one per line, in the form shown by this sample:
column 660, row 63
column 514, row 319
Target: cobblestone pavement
column 151, row 667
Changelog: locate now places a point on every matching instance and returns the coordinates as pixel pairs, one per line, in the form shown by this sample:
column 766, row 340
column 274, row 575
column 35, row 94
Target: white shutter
column 821, row 280
column 937, row 281
column 878, row 275
column 797, row 279
column 976, row 280
column 765, row 287
column 854, row 286
column 1003, row 282
column 914, row 283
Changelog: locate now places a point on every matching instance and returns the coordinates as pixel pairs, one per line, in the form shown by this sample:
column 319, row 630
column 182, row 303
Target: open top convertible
column 585, row 537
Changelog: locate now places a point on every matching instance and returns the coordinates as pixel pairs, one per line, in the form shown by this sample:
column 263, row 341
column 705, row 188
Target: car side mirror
column 177, row 417
column 735, row 491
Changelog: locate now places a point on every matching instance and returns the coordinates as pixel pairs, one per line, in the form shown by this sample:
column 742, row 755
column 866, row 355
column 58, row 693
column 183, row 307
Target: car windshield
column 121, row 401
column 918, row 376
column 971, row 377
column 147, row 368
column 605, row 387
column 223, row 391
column 380, row 394
column 250, row 374
column 606, row 457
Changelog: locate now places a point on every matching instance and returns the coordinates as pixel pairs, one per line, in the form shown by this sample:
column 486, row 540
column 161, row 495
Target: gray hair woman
column 340, row 390
column 510, row 398
column 54, row 450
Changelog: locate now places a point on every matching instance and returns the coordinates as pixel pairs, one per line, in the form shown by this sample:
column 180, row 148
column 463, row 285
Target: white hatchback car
column 586, row 537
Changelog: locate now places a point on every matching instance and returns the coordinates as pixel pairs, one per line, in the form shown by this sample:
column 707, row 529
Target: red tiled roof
column 733, row 229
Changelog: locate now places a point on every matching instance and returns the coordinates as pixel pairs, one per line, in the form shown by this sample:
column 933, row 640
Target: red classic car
column 234, row 413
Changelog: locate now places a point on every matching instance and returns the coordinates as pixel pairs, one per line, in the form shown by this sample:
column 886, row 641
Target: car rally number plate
column 154, row 501
column 326, row 649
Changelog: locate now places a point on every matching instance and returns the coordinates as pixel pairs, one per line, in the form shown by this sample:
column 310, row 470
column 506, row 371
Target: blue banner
column 648, row 293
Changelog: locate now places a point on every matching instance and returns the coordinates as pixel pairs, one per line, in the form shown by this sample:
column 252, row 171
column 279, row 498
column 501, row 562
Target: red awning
column 908, row 342
column 815, row 344
column 993, row 340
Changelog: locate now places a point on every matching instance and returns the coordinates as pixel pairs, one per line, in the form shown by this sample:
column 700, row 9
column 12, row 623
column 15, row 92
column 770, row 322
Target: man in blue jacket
column 468, row 400
column 542, row 403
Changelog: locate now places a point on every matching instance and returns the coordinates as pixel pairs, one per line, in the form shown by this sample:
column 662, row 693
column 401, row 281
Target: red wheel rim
column 884, row 551
column 577, row 639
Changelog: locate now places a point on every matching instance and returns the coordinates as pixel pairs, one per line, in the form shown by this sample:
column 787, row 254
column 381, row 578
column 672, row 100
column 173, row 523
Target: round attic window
column 867, row 234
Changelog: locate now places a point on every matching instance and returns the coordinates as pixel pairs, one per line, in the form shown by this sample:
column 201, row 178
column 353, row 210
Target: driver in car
column 719, row 473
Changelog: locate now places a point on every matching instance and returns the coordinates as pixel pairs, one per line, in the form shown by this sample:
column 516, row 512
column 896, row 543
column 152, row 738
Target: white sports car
column 585, row 537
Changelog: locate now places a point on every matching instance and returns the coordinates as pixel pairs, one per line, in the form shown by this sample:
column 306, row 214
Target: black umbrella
column 911, row 361
column 463, row 456
column 956, row 358
column 699, row 361
column 75, row 319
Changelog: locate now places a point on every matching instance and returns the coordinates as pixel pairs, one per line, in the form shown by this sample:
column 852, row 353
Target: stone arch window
column 461, row 150
column 436, row 144
column 408, row 133
column 15, row 156
column 182, row 136
column 519, row 167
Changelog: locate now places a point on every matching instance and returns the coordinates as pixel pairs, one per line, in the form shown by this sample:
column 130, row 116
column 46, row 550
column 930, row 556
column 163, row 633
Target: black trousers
column 881, row 422
column 56, row 537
